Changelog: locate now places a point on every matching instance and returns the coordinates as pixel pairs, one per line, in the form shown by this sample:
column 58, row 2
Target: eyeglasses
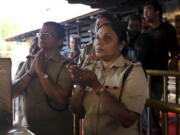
column 45, row 34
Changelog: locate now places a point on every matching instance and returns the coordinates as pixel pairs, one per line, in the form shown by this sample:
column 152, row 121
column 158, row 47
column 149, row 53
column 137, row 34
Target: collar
column 119, row 63
column 56, row 57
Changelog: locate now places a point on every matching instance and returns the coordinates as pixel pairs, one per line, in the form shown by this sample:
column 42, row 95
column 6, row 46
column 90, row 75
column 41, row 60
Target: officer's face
column 48, row 37
column 107, row 46
column 34, row 47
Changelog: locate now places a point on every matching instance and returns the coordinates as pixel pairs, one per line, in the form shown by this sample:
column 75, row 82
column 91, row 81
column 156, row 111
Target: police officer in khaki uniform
column 111, row 104
column 47, row 85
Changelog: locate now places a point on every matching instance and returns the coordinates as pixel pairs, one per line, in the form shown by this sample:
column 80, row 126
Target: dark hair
column 155, row 5
column 107, row 15
column 58, row 28
column 76, row 37
column 134, row 17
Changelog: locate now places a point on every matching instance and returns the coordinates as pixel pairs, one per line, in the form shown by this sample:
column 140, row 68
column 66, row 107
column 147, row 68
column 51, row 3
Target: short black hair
column 109, row 16
column 58, row 28
column 155, row 5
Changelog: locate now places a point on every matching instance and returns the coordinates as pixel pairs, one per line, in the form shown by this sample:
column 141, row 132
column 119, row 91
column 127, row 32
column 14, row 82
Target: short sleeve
column 135, row 90
column 65, row 81
column 20, row 72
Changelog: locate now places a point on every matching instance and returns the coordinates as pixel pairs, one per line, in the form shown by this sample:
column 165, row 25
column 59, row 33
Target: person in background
column 20, row 103
column 47, row 85
column 111, row 104
column 139, row 44
column 63, row 50
column 163, row 34
column 133, row 32
column 133, row 28
column 74, row 52
column 165, row 41
column 32, row 51
column 34, row 46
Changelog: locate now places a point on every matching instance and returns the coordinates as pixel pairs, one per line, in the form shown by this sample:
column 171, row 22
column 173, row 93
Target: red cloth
column 172, row 123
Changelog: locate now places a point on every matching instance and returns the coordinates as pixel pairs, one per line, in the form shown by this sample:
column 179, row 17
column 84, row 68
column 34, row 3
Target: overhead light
column 92, row 17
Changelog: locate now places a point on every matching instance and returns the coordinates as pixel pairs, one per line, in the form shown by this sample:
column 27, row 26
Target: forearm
column 20, row 84
column 117, row 110
column 53, row 90
column 76, row 100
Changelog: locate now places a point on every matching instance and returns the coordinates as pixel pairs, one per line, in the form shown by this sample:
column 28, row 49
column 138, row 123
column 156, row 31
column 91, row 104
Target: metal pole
column 164, row 114
column 149, row 130
column 177, row 97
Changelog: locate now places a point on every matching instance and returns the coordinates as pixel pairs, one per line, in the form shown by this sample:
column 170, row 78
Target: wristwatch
column 45, row 76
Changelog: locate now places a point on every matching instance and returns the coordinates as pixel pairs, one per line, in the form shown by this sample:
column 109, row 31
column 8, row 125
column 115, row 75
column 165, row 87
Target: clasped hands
column 84, row 77
column 39, row 63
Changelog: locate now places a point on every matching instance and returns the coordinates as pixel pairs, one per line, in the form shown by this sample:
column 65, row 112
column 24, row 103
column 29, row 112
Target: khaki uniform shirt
column 41, row 118
column 133, row 97
column 25, row 67
column 88, row 49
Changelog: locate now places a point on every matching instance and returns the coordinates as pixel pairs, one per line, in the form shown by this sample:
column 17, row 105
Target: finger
column 72, row 72
column 38, row 53
column 87, row 70
column 70, row 68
